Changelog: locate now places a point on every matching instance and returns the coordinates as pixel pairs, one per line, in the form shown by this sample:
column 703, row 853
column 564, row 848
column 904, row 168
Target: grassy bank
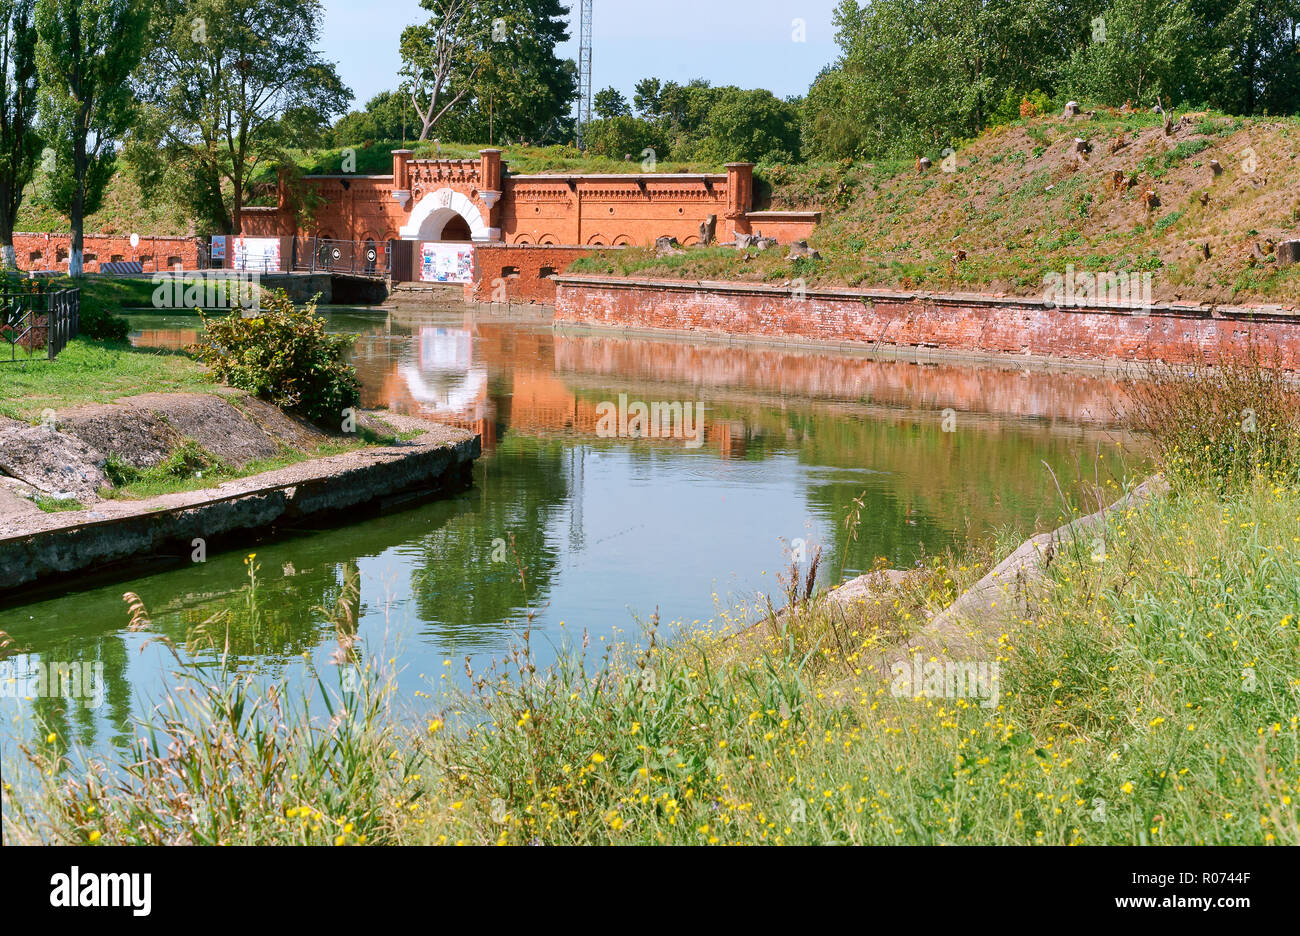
column 1020, row 202
column 1149, row 697
column 95, row 372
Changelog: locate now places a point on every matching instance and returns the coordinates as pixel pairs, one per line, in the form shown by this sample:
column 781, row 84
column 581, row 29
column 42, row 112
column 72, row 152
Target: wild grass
column 1220, row 423
column 1146, row 696
column 57, row 504
column 190, row 467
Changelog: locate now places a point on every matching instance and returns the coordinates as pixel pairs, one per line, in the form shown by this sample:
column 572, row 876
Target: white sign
column 446, row 263
column 260, row 254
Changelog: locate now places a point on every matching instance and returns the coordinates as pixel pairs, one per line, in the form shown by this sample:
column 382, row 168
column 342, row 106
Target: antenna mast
column 584, row 69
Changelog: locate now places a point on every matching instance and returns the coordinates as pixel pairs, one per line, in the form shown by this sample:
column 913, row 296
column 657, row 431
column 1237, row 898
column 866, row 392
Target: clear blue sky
column 632, row 39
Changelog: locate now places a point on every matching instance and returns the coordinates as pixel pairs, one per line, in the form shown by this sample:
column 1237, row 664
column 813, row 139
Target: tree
column 86, row 51
column 751, row 125
column 913, row 74
column 441, row 57
column 387, row 116
column 609, row 102
column 625, row 135
column 19, row 143
column 645, row 97
column 1142, row 51
column 523, row 90
column 234, row 83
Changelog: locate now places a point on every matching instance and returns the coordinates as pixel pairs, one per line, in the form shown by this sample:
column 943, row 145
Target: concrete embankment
column 50, row 548
column 904, row 324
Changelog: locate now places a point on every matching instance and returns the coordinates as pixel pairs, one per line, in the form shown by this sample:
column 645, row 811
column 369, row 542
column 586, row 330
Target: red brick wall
column 554, row 208
column 50, row 251
column 977, row 325
column 529, row 284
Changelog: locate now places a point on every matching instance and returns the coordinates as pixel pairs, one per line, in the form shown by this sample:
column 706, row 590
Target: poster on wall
column 258, row 254
column 218, row 248
column 446, row 263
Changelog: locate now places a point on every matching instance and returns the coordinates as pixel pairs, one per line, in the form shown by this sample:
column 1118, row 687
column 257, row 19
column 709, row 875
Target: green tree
column 1141, row 51
column 617, row 137
column 387, row 116
column 86, row 51
column 19, row 142
column 610, row 102
column 234, row 84
column 524, row 91
column 442, row 56
column 645, row 97
column 913, row 74
column 751, row 125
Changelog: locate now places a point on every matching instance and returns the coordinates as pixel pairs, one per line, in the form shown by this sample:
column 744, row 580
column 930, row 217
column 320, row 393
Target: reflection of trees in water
column 924, row 489
column 281, row 618
column 465, row 583
column 78, row 719
column 938, row 487
column 285, row 617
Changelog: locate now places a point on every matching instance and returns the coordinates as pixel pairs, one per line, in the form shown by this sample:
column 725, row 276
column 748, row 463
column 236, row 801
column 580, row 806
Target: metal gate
column 402, row 266
column 326, row 255
column 35, row 322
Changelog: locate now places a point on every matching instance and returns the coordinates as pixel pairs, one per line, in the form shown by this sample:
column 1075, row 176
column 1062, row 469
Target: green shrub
column 283, row 355
column 99, row 324
column 617, row 137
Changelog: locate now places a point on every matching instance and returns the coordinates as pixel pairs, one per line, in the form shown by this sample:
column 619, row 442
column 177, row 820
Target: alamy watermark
column 950, row 679
column 1107, row 288
column 56, row 679
column 656, row 420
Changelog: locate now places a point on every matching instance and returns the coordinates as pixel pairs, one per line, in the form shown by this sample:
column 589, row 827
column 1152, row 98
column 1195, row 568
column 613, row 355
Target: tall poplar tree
column 19, row 143
column 86, row 51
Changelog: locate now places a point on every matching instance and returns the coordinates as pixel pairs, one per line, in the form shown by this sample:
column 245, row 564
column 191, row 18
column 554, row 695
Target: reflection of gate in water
column 445, row 381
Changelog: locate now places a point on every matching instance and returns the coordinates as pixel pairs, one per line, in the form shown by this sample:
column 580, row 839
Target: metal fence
column 325, row 255
column 36, row 325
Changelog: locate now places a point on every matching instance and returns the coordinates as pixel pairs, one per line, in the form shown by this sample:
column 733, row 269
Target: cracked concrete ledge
column 962, row 630
column 38, row 549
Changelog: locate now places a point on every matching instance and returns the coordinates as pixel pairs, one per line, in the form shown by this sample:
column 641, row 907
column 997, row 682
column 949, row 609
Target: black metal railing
column 38, row 324
column 326, row 255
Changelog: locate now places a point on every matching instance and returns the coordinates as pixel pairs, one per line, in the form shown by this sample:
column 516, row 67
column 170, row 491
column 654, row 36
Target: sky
column 749, row 43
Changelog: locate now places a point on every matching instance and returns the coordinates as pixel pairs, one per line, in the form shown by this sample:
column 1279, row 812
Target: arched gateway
column 431, row 214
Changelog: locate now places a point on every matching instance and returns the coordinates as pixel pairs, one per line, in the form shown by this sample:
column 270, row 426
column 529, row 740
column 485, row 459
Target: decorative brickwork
column 423, row 198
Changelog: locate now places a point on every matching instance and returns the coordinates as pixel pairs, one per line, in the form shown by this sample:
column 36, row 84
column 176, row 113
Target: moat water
column 608, row 531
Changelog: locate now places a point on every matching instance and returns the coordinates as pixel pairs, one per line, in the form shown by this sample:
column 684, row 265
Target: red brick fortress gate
column 479, row 202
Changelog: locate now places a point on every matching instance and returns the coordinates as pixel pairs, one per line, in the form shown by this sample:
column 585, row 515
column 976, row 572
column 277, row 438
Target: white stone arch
column 434, row 210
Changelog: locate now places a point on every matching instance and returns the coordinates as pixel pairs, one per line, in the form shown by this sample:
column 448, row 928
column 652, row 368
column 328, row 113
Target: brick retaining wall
column 982, row 326
column 520, row 273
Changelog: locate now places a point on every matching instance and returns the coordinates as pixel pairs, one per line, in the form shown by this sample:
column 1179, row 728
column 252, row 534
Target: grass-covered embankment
column 1020, row 202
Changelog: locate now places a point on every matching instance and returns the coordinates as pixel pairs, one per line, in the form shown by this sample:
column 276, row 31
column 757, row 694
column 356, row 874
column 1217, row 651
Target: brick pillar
column 740, row 196
column 489, row 189
column 401, row 158
column 490, row 169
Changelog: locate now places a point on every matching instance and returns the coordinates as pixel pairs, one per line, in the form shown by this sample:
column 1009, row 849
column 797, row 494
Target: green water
column 608, row 531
